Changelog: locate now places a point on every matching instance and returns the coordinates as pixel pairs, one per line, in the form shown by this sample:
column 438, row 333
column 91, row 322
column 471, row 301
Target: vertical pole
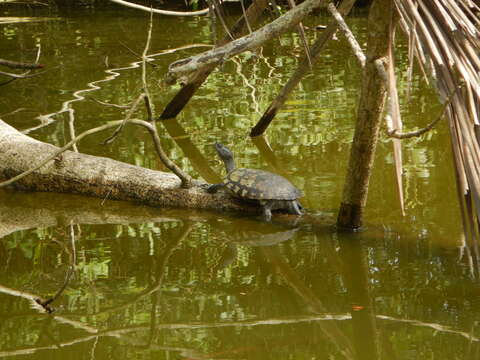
column 369, row 115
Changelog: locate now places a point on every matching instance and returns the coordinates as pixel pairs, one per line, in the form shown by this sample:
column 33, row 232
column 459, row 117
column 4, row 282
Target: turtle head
column 226, row 155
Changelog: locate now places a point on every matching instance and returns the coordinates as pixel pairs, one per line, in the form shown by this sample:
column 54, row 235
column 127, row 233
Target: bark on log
column 101, row 177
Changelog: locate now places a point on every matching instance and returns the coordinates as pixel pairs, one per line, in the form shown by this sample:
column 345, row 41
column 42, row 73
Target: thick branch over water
column 251, row 41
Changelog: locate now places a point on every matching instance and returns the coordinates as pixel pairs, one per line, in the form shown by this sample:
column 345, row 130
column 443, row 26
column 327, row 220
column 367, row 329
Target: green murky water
column 176, row 284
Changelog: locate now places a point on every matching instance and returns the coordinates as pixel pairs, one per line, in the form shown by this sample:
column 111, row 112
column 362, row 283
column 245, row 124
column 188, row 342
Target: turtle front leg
column 212, row 189
column 267, row 210
column 296, row 208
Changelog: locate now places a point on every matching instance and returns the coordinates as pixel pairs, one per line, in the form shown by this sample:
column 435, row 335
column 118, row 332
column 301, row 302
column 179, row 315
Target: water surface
column 171, row 283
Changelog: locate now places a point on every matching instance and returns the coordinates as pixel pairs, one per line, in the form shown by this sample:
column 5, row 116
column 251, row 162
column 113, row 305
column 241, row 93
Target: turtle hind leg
column 212, row 189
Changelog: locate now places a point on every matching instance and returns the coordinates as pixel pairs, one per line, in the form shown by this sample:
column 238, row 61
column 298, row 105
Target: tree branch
column 394, row 133
column 161, row 12
column 357, row 50
column 20, row 65
column 303, row 67
column 248, row 42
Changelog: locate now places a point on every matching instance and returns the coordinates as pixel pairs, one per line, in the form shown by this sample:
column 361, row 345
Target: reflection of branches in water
column 127, row 334
column 247, row 83
column 73, row 260
column 121, row 333
column 331, row 331
column 162, row 266
column 95, row 85
column 18, row 65
column 464, row 251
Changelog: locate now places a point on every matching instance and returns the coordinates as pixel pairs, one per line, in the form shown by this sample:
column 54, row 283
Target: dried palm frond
column 445, row 39
column 394, row 110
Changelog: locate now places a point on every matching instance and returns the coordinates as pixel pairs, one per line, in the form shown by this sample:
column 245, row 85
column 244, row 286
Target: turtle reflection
column 250, row 233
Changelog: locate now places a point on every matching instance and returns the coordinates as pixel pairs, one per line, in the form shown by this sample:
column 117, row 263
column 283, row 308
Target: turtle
column 271, row 191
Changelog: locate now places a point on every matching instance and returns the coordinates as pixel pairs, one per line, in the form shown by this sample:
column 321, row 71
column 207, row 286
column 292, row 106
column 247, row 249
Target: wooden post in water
column 369, row 114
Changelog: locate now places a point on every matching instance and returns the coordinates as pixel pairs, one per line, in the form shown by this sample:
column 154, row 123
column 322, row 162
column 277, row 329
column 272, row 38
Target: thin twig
column 73, row 260
column 245, row 16
column 109, row 104
column 184, row 177
column 129, row 114
column 357, row 50
column 150, row 108
column 399, row 135
column 161, row 12
column 218, row 9
column 135, row 54
column 303, row 38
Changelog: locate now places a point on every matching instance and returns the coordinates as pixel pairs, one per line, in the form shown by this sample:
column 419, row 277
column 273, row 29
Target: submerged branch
column 21, row 76
column 20, row 65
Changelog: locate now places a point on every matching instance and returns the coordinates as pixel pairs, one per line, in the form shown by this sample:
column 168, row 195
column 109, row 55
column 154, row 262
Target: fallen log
column 101, row 177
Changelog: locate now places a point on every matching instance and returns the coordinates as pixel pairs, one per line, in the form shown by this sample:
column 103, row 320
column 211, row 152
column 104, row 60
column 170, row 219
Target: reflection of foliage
column 117, row 263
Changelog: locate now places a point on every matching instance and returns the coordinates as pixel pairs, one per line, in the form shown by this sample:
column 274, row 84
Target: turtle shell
column 260, row 185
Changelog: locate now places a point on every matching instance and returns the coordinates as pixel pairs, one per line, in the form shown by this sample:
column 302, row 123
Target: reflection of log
column 22, row 211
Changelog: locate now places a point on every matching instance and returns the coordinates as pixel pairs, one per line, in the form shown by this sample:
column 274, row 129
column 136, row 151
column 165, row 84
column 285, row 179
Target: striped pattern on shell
column 260, row 185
